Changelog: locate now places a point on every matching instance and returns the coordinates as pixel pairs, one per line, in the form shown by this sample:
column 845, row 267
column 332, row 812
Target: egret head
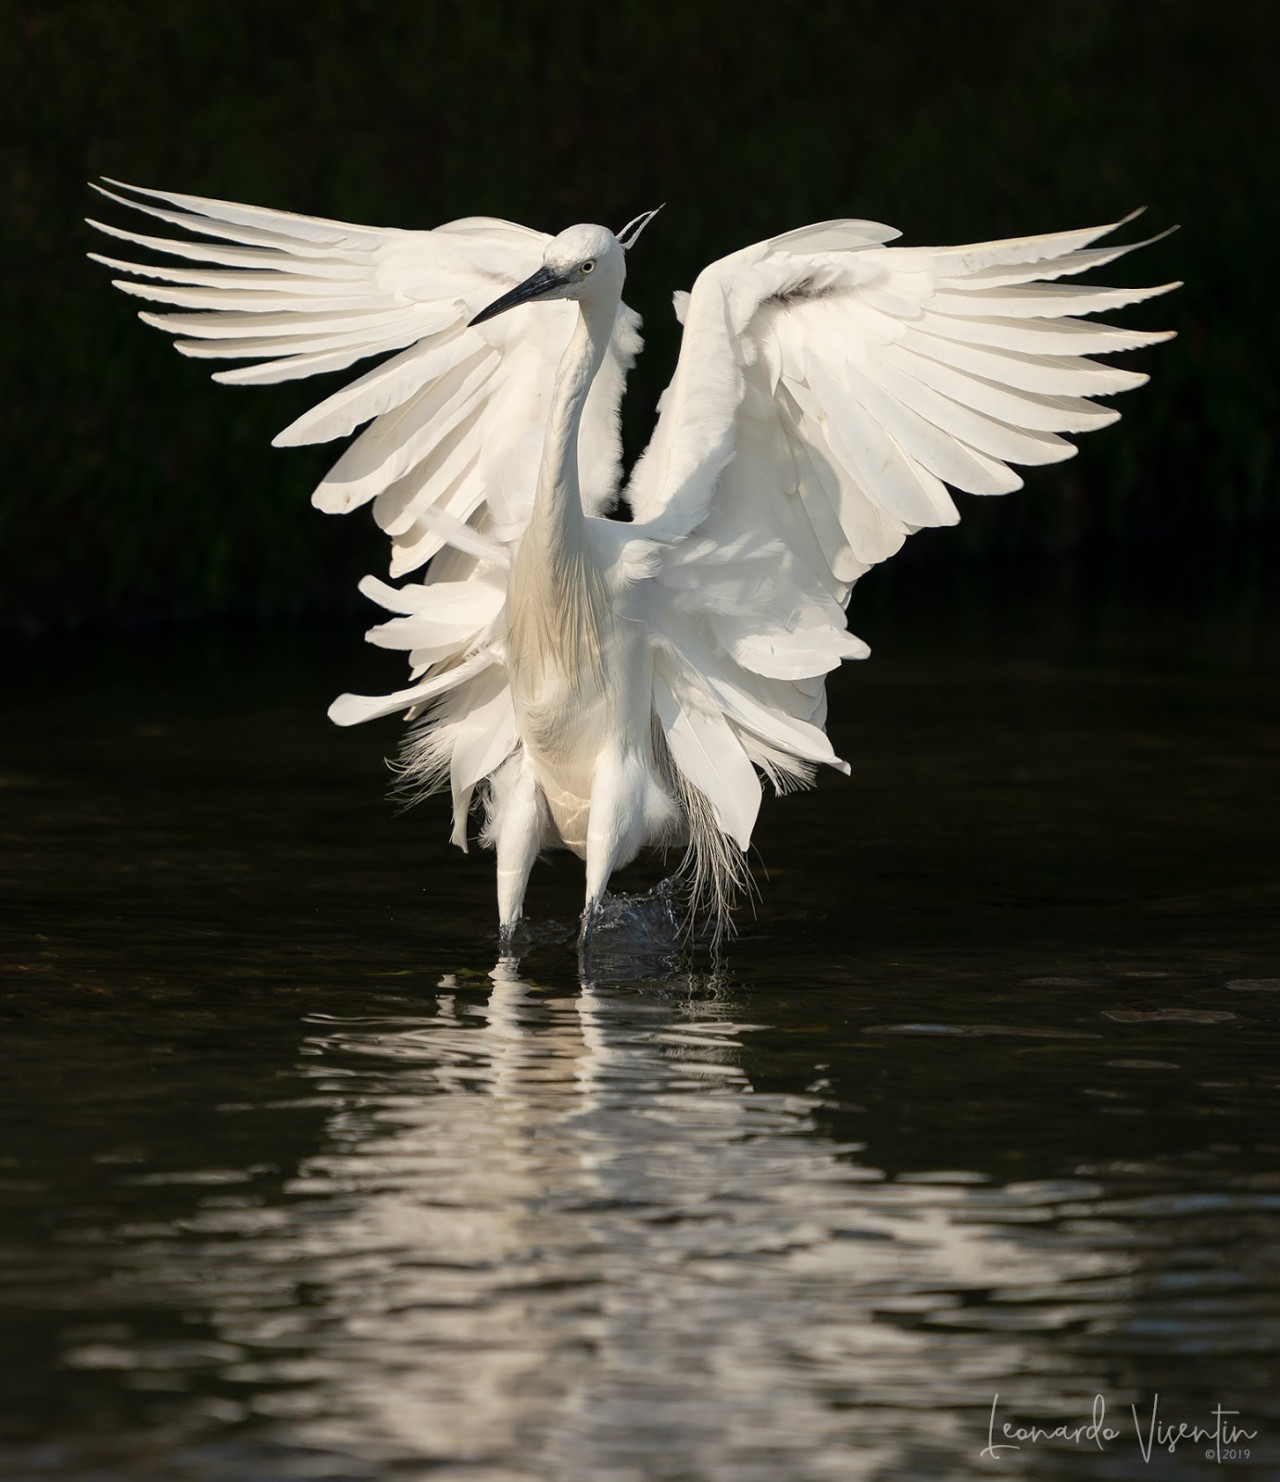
column 583, row 262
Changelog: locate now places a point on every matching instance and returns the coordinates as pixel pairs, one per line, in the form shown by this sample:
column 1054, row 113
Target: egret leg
column 518, row 828
column 615, row 830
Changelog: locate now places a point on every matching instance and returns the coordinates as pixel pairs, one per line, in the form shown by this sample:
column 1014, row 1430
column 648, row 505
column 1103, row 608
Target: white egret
column 602, row 684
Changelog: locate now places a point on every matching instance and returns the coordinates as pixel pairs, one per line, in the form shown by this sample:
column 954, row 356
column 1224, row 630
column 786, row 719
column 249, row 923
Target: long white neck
column 558, row 517
column 556, row 610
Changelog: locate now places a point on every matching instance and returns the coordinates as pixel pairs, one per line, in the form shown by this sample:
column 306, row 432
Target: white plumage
column 601, row 684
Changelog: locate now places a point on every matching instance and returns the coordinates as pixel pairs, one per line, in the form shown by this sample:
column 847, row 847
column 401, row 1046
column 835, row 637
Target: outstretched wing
column 456, row 415
column 829, row 388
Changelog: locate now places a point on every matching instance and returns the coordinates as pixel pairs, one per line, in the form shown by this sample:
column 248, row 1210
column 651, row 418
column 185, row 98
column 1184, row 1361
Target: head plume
column 629, row 233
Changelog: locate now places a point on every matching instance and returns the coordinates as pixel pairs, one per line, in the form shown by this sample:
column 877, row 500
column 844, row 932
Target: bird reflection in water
column 562, row 1224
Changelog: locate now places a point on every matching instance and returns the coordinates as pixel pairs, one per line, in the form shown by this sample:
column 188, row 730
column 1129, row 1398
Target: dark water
column 982, row 1100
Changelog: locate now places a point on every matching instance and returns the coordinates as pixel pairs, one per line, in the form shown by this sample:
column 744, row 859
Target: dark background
column 137, row 491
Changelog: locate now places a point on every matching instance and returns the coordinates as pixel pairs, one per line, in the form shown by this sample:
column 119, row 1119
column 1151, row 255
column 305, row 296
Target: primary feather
column 605, row 685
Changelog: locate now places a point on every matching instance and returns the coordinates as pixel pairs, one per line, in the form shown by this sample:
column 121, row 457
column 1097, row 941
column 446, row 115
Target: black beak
column 536, row 286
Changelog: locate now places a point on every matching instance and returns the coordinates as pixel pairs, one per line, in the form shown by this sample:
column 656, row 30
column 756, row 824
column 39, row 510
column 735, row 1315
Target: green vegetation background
column 135, row 489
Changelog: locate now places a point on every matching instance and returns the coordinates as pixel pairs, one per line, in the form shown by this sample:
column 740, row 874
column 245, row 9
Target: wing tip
column 376, row 590
column 348, row 710
column 111, row 195
column 331, row 500
column 354, row 710
column 1141, row 339
column 240, row 374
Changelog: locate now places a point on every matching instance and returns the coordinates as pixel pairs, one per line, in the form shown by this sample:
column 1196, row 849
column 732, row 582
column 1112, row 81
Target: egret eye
column 587, row 267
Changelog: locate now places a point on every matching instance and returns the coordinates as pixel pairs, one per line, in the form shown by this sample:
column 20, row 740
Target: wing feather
column 224, row 229
column 482, row 736
column 1036, row 337
column 252, row 327
column 243, row 278
column 249, row 297
column 1052, row 375
column 1007, row 404
column 380, row 390
column 263, row 218
column 964, row 302
column 223, row 255
column 401, row 438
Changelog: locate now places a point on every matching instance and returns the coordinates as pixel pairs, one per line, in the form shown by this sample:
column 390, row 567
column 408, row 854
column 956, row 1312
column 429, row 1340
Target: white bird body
column 610, row 685
column 578, row 651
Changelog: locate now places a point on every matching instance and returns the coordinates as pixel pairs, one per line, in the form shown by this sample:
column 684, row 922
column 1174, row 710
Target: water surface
column 301, row 1182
